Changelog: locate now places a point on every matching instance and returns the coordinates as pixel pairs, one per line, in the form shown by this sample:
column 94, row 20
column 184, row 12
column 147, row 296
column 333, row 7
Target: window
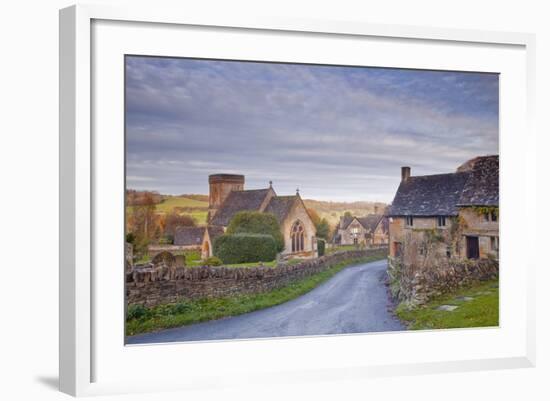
column 297, row 237
column 355, row 241
column 441, row 221
column 397, row 250
column 492, row 216
column 494, row 243
column 355, row 230
column 409, row 221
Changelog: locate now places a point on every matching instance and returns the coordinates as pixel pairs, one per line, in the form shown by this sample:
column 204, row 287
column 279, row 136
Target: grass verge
column 481, row 311
column 185, row 312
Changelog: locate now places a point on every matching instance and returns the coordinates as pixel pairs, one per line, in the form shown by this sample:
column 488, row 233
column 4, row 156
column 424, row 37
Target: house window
column 492, row 216
column 355, row 230
column 297, row 236
column 441, row 221
column 409, row 221
column 397, row 250
column 494, row 244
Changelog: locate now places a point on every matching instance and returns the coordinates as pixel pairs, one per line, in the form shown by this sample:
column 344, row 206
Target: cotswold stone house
column 434, row 218
column 227, row 197
column 368, row 230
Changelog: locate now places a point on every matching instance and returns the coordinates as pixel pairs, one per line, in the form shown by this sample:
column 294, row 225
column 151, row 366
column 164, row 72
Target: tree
column 173, row 220
column 323, row 229
column 314, row 216
column 348, row 214
column 257, row 223
column 143, row 223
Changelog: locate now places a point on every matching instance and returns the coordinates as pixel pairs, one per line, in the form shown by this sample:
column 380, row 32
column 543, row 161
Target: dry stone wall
column 161, row 284
column 418, row 286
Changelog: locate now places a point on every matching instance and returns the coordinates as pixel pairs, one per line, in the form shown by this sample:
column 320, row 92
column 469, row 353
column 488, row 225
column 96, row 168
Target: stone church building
column 227, row 197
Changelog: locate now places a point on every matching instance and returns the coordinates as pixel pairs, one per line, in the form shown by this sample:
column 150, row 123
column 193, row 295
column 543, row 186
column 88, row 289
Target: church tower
column 220, row 187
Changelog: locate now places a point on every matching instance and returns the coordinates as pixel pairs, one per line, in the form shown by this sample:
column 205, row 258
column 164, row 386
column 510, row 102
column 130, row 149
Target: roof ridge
column 438, row 175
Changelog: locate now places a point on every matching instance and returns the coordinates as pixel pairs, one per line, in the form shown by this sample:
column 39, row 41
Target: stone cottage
column 369, row 230
column 434, row 218
column 227, row 197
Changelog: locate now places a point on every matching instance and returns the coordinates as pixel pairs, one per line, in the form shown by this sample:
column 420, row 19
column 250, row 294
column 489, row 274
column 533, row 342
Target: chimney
column 405, row 173
column 375, row 209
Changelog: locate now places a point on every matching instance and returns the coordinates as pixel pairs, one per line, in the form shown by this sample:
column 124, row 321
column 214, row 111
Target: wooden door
column 472, row 247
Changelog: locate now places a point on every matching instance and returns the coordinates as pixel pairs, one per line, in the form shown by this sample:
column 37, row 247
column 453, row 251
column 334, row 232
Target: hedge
column 320, row 247
column 245, row 248
column 257, row 223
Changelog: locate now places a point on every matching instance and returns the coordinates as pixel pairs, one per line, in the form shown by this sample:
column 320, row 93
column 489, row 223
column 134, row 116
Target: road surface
column 355, row 300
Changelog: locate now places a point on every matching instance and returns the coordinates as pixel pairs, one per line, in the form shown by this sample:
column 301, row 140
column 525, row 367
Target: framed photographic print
column 274, row 198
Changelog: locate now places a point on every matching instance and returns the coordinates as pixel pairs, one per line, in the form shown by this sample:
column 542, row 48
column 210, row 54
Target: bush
column 257, row 223
column 130, row 238
column 245, row 248
column 320, row 247
column 213, row 261
column 137, row 312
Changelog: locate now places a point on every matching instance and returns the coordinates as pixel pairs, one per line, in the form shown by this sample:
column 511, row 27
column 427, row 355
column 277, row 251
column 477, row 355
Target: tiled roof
column 481, row 189
column 238, row 201
column 189, row 236
column 345, row 221
column 280, row 206
column 370, row 222
column 474, row 184
column 429, row 195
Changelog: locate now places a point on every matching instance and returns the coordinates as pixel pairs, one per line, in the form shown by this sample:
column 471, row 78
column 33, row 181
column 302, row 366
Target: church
column 227, row 197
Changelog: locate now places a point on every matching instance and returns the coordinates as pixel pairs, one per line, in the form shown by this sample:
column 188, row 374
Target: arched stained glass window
column 297, row 236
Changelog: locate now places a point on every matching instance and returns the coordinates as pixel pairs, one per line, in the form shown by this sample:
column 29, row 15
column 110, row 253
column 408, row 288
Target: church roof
column 280, row 206
column 238, row 201
column 189, row 236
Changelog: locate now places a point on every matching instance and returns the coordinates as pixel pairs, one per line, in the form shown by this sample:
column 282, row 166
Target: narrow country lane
column 355, row 300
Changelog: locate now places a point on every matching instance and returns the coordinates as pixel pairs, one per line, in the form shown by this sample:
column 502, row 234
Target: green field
column 480, row 311
column 195, row 208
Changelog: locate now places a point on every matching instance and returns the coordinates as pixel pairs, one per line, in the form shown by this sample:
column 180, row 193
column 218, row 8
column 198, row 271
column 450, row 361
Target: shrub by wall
column 245, row 248
column 320, row 247
column 257, row 223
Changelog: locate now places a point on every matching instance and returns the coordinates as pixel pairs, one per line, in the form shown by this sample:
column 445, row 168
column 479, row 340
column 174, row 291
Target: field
column 197, row 207
column 191, row 205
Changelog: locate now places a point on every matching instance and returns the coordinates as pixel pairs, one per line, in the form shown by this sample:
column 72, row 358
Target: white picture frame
column 84, row 354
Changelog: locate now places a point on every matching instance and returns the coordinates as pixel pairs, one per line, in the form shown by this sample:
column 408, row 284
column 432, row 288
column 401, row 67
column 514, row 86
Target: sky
column 335, row 132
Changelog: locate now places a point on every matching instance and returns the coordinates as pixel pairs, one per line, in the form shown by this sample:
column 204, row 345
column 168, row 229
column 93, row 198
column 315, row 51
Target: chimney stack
column 405, row 173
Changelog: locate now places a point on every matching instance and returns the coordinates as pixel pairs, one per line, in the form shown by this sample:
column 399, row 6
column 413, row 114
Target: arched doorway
column 297, row 235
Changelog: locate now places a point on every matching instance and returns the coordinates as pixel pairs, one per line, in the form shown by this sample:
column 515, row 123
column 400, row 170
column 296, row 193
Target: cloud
column 338, row 133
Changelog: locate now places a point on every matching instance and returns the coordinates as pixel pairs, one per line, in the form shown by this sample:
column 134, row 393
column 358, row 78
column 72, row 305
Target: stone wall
column 162, row 284
column 417, row 286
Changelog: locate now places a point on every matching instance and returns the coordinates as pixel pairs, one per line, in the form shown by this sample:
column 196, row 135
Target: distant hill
column 333, row 210
column 196, row 205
